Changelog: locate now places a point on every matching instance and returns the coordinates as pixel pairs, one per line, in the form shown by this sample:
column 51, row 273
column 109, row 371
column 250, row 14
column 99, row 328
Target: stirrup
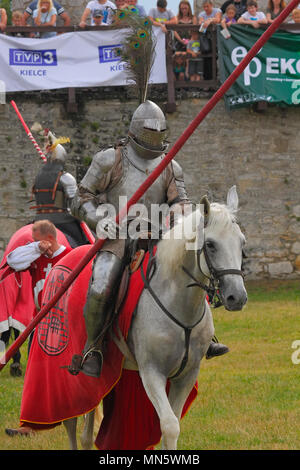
column 78, row 361
column 92, row 362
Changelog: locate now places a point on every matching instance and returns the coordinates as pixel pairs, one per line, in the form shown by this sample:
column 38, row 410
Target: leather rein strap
column 187, row 329
column 216, row 273
column 211, row 290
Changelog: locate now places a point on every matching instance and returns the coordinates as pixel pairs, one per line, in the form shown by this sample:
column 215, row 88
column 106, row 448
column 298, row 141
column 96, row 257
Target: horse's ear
column 232, row 199
column 205, row 204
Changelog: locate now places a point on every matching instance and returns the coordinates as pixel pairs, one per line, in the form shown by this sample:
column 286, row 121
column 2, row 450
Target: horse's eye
column 210, row 245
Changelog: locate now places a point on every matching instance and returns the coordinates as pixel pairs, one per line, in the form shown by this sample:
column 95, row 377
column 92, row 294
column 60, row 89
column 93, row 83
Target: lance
column 151, row 178
column 37, row 148
column 84, row 227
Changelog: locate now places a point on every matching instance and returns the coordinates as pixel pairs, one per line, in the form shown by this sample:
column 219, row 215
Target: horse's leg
column 71, row 426
column 92, row 422
column 155, row 386
column 180, row 389
column 15, row 368
column 98, row 417
column 87, row 436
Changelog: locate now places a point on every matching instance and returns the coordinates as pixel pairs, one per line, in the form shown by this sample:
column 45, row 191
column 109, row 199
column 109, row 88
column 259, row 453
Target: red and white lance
column 152, row 177
column 27, row 130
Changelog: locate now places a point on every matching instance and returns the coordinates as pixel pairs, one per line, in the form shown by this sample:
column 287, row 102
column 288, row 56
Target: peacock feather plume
column 138, row 48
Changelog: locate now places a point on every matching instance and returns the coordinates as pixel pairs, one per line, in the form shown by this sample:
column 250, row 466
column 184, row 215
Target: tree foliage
column 7, row 5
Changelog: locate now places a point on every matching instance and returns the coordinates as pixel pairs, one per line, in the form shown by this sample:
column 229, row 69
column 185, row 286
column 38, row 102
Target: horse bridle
column 211, row 289
column 214, row 280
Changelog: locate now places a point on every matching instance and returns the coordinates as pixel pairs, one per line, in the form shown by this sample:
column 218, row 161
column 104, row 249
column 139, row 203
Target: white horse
column 173, row 325
column 92, row 422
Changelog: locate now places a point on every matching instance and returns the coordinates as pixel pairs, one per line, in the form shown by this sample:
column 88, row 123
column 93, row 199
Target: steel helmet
column 53, row 147
column 147, row 130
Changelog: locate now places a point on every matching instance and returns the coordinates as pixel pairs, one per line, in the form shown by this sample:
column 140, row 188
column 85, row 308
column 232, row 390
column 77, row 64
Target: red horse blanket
column 52, row 395
column 16, row 298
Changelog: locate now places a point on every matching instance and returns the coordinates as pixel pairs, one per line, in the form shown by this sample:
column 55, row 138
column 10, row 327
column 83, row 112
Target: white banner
column 78, row 59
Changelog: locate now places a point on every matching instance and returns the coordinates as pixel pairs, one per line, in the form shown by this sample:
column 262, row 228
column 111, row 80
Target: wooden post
column 171, row 104
column 214, row 53
column 72, row 106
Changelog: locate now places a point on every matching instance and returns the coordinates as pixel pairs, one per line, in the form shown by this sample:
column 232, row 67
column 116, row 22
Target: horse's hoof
column 16, row 370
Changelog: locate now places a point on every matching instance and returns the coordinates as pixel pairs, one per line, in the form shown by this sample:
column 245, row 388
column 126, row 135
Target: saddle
column 137, row 252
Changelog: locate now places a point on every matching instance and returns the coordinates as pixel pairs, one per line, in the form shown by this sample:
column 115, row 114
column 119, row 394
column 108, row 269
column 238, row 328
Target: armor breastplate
column 135, row 172
column 46, row 188
column 49, row 195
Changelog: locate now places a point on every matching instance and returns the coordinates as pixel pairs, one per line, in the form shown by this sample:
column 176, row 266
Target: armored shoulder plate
column 105, row 159
column 95, row 178
column 69, row 184
column 178, row 173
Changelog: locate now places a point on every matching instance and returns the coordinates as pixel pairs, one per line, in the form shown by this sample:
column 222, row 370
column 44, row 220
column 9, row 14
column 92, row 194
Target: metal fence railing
column 209, row 80
column 209, row 59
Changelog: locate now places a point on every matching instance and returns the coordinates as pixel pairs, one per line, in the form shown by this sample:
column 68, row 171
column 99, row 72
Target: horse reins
column 187, row 329
column 216, row 274
column 211, row 290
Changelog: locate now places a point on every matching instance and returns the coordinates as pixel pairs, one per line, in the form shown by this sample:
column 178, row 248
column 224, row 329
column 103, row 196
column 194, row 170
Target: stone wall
column 257, row 152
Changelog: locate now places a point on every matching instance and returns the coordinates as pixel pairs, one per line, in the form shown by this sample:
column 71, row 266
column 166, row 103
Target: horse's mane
column 221, row 215
column 171, row 249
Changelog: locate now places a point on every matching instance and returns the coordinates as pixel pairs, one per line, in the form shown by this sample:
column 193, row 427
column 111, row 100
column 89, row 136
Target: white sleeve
column 22, row 257
column 69, row 184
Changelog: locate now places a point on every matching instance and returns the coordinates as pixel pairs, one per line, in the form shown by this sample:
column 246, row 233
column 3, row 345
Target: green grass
column 248, row 399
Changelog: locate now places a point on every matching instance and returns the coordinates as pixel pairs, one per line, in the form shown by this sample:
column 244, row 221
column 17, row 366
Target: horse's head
column 217, row 241
column 221, row 256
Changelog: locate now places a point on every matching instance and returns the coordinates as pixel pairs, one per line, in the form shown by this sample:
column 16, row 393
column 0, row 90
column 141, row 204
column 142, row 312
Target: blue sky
column 172, row 5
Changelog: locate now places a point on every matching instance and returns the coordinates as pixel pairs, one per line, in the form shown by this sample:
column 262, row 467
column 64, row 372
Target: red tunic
column 39, row 270
column 16, row 296
column 29, row 258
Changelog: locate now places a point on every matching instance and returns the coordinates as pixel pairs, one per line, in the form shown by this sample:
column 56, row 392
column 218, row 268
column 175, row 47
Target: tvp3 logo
column 39, row 58
column 109, row 54
column 32, row 63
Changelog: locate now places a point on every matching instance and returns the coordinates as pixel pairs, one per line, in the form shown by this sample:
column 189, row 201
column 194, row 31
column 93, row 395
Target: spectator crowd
column 190, row 47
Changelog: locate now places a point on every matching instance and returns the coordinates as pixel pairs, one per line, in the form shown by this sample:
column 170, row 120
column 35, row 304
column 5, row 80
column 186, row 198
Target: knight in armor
column 118, row 172
column 54, row 189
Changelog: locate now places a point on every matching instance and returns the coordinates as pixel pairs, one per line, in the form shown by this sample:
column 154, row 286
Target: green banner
column 272, row 76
